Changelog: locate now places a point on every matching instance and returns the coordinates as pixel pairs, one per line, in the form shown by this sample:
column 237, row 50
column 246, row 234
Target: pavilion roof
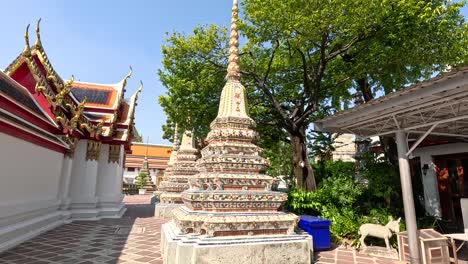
column 438, row 106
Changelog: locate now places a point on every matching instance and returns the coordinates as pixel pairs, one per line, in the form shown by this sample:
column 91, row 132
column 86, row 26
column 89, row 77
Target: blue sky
column 97, row 40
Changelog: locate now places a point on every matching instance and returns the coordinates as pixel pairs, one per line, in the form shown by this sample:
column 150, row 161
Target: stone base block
column 15, row 233
column 376, row 251
column 268, row 249
column 116, row 211
column 165, row 210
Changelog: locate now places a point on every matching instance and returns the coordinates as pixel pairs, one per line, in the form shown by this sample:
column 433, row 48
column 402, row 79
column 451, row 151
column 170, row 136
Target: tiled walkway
column 131, row 239
column 348, row 256
column 135, row 238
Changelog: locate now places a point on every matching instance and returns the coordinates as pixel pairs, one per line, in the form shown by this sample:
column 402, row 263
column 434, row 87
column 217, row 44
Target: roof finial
column 141, row 87
column 233, row 71
column 38, row 34
column 127, row 76
column 27, row 48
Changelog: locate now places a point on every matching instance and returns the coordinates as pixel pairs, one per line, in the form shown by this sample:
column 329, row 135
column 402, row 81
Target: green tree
column 192, row 80
column 141, row 180
column 304, row 59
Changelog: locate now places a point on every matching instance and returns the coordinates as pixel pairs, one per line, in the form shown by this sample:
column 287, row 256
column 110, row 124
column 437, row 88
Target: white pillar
column 64, row 191
column 83, row 181
column 109, row 182
column 407, row 192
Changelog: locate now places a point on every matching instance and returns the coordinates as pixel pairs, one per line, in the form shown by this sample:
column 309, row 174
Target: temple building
column 63, row 146
column 231, row 211
column 156, row 155
column 183, row 167
column 344, row 148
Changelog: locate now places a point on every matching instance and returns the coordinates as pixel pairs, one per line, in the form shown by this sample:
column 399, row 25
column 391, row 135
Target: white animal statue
column 379, row 231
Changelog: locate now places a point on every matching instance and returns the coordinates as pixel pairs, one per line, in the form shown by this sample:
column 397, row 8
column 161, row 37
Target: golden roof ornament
column 129, row 75
column 52, row 75
column 139, row 88
column 38, row 34
column 27, row 48
column 57, row 100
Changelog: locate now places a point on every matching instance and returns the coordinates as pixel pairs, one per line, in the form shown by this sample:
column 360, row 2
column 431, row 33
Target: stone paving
column 135, row 238
column 132, row 239
column 348, row 256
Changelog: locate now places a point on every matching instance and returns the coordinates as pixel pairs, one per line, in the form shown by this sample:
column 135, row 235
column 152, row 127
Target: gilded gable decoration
column 114, row 153
column 93, row 150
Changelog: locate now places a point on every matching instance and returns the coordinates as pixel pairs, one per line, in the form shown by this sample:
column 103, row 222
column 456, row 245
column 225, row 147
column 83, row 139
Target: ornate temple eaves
column 72, row 107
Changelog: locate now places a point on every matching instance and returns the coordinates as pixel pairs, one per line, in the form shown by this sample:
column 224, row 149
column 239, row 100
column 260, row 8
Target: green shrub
column 343, row 201
column 141, row 180
column 335, row 199
column 384, row 181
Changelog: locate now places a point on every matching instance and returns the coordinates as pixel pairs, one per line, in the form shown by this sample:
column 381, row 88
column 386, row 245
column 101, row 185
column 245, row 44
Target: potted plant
column 141, row 181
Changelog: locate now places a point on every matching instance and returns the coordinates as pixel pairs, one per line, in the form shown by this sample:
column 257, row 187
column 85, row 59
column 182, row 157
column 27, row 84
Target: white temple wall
column 129, row 176
column 431, row 191
column 83, row 184
column 29, row 190
column 109, row 184
column 64, row 193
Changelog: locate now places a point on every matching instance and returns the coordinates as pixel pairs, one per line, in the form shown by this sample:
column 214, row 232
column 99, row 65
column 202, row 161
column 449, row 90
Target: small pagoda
column 168, row 171
column 231, row 202
column 176, row 180
column 150, row 186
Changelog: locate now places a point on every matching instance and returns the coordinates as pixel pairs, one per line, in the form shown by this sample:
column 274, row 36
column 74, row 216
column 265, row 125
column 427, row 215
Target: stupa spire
column 175, row 147
column 233, row 103
column 175, row 144
column 233, row 71
column 188, row 141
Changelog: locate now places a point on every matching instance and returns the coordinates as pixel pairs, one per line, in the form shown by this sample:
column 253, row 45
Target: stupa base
column 165, row 210
column 267, row 249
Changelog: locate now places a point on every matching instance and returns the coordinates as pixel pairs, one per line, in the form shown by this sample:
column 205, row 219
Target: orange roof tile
column 153, row 150
column 97, row 95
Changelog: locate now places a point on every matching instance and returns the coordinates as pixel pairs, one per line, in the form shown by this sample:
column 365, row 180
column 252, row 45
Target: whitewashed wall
column 109, row 184
column 29, row 190
column 431, row 190
column 83, row 200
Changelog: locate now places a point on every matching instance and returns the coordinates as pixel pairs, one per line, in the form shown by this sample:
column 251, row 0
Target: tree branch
column 289, row 125
column 343, row 49
column 270, row 62
column 307, row 112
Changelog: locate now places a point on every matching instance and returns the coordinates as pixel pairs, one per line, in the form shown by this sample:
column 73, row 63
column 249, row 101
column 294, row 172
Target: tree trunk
column 302, row 169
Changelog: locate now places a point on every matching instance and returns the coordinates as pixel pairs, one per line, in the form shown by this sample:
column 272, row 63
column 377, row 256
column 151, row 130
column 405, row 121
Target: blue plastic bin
column 318, row 228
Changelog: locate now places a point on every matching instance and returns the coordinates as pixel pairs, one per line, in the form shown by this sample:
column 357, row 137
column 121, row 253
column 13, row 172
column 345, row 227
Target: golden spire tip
column 38, row 33
column 27, row 48
column 141, row 86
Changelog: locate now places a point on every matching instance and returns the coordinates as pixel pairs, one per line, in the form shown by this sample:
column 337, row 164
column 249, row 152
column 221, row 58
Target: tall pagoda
column 176, row 181
column 231, row 201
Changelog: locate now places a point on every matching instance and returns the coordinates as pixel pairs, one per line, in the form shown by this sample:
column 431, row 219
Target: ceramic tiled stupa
column 176, row 179
column 168, row 170
column 231, row 201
